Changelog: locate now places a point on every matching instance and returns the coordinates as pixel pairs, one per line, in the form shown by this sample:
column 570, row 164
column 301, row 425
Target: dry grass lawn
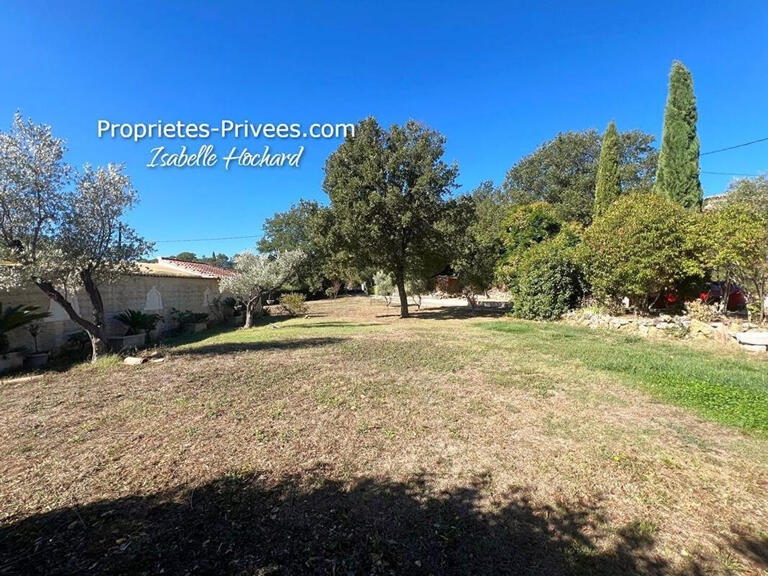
column 353, row 442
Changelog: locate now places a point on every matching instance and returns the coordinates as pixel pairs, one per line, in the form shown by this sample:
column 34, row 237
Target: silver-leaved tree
column 258, row 275
column 63, row 229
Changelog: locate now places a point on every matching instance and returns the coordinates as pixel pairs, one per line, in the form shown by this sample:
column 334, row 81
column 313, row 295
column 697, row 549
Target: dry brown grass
column 355, row 441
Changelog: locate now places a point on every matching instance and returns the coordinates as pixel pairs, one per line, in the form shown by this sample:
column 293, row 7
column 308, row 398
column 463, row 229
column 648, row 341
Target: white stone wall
column 156, row 294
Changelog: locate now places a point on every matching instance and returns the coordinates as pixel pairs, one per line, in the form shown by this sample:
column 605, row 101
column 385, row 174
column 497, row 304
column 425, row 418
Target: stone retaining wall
column 745, row 334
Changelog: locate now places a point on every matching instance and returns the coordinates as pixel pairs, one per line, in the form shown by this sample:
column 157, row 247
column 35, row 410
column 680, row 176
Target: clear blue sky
column 496, row 78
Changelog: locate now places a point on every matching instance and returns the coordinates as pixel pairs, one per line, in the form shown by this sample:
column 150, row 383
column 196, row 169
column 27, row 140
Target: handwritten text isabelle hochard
column 206, row 157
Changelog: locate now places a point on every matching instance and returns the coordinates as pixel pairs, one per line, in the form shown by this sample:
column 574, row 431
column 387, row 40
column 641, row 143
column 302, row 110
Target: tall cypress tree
column 677, row 176
column 608, row 185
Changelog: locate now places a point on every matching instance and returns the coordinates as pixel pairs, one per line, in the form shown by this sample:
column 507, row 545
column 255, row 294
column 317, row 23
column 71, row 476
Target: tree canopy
column 525, row 226
column 734, row 241
column 388, row 192
column 57, row 236
column 301, row 227
column 258, row 275
column 752, row 192
column 563, row 171
column 477, row 222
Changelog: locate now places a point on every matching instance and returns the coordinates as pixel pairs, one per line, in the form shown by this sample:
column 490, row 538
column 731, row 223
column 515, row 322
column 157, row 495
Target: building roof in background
column 170, row 268
column 155, row 269
column 199, row 269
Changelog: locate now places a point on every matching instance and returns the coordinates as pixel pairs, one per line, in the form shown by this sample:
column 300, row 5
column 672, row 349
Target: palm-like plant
column 138, row 321
column 14, row 317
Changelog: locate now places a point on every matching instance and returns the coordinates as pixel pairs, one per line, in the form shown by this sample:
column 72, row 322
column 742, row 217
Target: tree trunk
column 252, row 308
column 403, row 297
column 96, row 346
column 95, row 333
column 99, row 339
column 248, row 315
column 725, row 295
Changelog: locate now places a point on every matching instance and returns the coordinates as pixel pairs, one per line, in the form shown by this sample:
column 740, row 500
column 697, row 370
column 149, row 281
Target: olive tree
column 257, row 275
column 54, row 235
column 384, row 286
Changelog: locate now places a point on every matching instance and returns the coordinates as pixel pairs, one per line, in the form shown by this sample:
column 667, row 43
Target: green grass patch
column 725, row 387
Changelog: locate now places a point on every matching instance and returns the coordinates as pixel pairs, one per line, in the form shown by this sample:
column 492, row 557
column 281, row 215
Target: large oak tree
column 388, row 191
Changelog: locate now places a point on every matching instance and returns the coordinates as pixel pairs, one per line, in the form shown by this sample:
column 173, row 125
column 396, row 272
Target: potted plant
column 11, row 318
column 139, row 324
column 191, row 321
column 37, row 359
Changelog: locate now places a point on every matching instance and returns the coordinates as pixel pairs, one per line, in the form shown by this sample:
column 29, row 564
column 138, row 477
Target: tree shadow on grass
column 753, row 547
column 263, row 345
column 332, row 324
column 450, row 313
column 247, row 524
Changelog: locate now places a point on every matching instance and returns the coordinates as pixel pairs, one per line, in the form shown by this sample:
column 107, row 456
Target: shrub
column 294, row 303
column 642, row 245
column 526, row 226
column 222, row 308
column 549, row 279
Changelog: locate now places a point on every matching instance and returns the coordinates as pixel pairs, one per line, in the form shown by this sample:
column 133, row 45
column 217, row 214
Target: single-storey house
column 155, row 287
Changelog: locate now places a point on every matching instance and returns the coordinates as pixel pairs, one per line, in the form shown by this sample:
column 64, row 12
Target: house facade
column 156, row 288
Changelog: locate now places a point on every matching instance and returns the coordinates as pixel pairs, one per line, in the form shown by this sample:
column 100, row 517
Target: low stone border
column 748, row 335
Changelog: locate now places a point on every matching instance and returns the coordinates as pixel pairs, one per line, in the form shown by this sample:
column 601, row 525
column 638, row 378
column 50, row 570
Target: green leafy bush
column 294, row 303
column 549, row 280
column 642, row 245
column 734, row 242
column 526, row 226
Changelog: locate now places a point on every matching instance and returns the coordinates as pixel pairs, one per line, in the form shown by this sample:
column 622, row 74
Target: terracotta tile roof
column 199, row 269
